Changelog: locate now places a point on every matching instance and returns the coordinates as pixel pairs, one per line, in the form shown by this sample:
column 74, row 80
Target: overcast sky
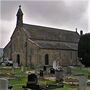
column 66, row 14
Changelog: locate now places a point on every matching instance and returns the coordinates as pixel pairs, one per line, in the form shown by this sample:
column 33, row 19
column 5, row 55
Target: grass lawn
column 66, row 87
column 84, row 71
column 21, row 79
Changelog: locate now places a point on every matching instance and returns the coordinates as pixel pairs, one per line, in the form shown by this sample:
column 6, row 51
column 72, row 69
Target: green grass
column 66, row 87
column 17, row 83
column 43, row 82
column 21, row 79
column 84, row 71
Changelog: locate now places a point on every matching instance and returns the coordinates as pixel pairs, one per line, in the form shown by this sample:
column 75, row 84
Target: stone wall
column 65, row 57
column 31, row 54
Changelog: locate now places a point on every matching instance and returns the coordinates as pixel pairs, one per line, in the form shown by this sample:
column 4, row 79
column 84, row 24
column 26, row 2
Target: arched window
column 46, row 59
column 18, row 59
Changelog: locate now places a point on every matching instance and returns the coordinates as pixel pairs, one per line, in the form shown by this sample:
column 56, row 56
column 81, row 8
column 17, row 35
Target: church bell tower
column 19, row 17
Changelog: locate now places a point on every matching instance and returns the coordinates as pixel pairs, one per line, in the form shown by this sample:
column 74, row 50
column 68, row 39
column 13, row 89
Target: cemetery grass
column 21, row 79
column 66, row 87
column 83, row 71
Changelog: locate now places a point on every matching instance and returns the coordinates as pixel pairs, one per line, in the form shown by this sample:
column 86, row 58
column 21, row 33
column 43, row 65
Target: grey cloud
column 55, row 13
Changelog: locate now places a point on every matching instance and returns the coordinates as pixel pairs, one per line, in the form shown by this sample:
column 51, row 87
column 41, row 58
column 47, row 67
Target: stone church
column 39, row 45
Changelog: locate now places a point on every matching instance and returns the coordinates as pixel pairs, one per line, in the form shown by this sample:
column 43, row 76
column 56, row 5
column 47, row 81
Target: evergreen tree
column 84, row 49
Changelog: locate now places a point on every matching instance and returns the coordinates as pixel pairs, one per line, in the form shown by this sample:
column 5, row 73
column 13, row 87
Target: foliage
column 84, row 49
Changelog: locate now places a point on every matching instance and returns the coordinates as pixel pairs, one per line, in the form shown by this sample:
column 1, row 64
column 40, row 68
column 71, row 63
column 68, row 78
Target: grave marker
column 54, row 64
column 59, row 75
column 41, row 73
column 32, row 83
column 22, row 68
column 69, row 71
column 82, row 83
column 3, row 84
column 52, row 71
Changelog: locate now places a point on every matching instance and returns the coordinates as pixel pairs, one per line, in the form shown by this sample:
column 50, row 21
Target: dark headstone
column 32, row 83
column 52, row 71
column 59, row 75
column 44, row 68
column 41, row 73
column 32, row 79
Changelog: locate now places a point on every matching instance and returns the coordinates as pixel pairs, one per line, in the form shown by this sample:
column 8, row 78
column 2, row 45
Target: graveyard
column 73, row 78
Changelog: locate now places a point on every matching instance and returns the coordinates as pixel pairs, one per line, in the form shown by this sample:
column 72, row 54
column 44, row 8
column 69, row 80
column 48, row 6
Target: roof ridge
column 49, row 27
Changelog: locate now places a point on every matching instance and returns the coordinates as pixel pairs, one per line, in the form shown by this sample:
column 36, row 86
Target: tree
column 84, row 49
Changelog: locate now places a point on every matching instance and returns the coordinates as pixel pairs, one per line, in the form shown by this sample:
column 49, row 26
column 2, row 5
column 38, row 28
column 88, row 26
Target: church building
column 33, row 45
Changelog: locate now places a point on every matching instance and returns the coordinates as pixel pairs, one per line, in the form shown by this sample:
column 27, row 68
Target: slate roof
column 46, row 33
column 57, row 45
column 52, row 38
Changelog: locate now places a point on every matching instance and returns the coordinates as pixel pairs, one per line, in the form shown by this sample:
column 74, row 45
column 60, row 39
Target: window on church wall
column 46, row 59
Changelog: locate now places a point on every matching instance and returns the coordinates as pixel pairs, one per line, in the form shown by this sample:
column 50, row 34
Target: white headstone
column 54, row 65
column 3, row 84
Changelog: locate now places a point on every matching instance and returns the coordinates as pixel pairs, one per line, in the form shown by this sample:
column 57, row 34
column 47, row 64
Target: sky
column 63, row 14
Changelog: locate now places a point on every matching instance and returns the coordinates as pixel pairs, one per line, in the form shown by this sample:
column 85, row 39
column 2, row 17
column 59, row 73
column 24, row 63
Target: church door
column 18, row 59
column 46, row 60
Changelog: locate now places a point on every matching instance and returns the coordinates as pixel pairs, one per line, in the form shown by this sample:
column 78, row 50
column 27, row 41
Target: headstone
column 59, row 75
column 54, row 64
column 32, row 79
column 15, row 65
column 44, row 68
column 41, row 73
column 69, row 70
column 3, row 84
column 82, row 83
column 52, row 71
column 22, row 68
column 32, row 82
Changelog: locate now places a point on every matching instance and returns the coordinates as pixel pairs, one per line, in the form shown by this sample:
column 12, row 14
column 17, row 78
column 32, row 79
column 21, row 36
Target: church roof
column 57, row 45
column 51, row 34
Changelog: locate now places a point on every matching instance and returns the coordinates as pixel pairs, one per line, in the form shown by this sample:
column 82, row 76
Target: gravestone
column 82, row 83
column 69, row 71
column 59, row 75
column 22, row 68
column 32, row 82
column 54, row 64
column 52, row 71
column 44, row 68
column 3, row 84
column 15, row 65
column 41, row 73
column 32, row 79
